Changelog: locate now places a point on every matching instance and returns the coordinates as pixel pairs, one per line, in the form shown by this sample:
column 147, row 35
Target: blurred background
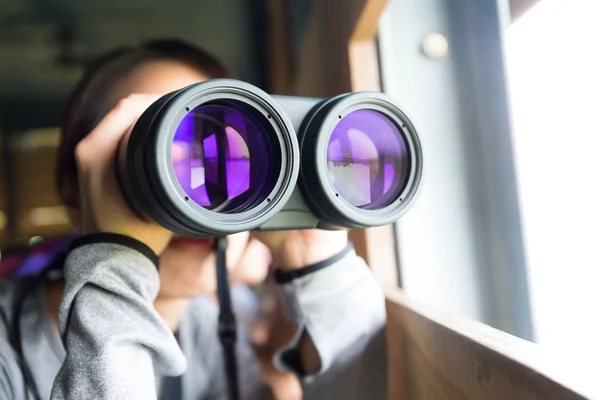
column 503, row 93
column 44, row 46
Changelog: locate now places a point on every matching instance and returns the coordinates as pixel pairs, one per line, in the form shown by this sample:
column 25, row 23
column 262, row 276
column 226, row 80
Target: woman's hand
column 188, row 266
column 297, row 249
column 103, row 208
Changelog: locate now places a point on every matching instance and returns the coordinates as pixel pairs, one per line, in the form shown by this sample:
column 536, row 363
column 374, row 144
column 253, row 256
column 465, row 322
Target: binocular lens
column 367, row 159
column 225, row 156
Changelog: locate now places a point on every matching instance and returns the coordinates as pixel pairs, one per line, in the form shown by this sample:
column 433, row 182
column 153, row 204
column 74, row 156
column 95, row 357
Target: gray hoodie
column 116, row 346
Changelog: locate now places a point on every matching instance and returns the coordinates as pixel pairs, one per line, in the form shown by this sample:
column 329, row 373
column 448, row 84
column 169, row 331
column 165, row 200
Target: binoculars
column 222, row 156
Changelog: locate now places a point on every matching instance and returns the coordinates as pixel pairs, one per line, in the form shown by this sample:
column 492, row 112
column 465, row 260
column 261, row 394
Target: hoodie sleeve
column 115, row 341
column 341, row 306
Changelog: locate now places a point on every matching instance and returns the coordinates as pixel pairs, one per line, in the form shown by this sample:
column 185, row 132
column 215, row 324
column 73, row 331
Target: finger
column 258, row 252
column 272, row 239
column 114, row 125
column 253, row 266
column 100, row 145
column 142, row 96
column 236, row 245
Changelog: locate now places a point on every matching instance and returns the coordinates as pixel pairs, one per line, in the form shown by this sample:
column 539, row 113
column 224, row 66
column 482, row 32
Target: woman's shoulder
column 11, row 290
column 9, row 287
column 13, row 294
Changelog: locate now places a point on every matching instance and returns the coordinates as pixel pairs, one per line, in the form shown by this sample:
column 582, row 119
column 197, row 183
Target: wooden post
column 280, row 47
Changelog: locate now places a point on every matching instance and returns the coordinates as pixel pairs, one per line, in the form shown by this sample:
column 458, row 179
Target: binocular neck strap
column 227, row 323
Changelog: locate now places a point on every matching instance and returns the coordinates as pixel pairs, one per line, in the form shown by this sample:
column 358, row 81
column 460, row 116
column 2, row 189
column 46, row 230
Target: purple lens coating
column 225, row 157
column 367, row 159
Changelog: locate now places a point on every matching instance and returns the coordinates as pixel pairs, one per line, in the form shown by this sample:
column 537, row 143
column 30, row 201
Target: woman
column 116, row 313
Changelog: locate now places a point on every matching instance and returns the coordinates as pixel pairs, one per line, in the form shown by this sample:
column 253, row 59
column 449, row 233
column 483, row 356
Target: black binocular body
column 223, row 156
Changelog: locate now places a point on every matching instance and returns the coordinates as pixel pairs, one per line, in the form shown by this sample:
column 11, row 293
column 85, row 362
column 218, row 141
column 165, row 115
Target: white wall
column 436, row 235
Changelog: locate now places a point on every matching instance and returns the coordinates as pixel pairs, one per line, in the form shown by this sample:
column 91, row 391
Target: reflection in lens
column 367, row 159
column 225, row 157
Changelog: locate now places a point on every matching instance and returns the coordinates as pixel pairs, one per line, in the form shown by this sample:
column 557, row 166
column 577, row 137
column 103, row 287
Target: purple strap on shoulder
column 36, row 259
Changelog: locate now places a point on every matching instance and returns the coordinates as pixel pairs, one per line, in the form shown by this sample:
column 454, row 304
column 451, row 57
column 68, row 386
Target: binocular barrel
column 223, row 156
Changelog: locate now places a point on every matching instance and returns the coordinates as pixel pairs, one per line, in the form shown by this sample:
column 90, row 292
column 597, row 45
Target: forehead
column 158, row 77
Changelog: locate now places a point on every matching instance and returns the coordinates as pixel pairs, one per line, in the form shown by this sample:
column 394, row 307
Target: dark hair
column 91, row 99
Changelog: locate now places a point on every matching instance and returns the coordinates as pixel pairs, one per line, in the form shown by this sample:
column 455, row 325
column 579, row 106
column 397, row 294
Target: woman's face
column 187, row 267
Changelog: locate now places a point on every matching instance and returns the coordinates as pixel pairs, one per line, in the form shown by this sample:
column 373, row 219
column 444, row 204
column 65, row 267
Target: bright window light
column 554, row 69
